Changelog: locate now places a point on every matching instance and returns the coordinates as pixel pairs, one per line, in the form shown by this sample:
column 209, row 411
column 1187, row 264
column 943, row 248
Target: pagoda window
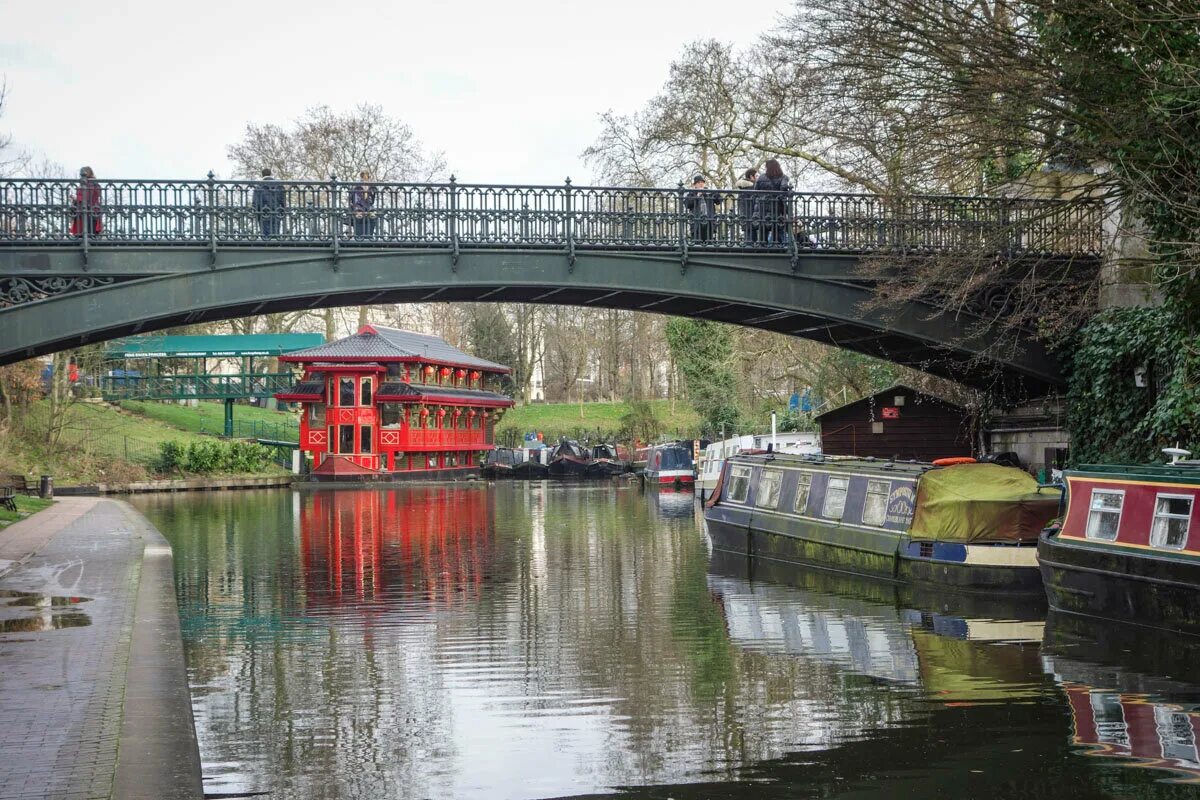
column 332, row 440
column 452, row 459
column 316, row 414
column 462, row 420
column 432, row 460
column 345, row 439
column 391, row 415
column 365, row 392
column 395, row 371
column 332, row 391
column 345, row 391
column 430, row 421
column 365, row 440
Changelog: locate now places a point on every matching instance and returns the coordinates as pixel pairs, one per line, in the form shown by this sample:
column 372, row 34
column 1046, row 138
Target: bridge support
column 228, row 417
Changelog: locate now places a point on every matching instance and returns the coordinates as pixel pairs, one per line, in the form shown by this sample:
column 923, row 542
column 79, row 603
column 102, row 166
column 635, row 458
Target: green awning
column 211, row 346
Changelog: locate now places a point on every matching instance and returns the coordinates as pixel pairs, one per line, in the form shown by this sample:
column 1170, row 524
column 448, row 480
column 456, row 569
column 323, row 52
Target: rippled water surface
column 531, row 640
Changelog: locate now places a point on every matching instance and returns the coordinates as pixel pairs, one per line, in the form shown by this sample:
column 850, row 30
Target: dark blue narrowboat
column 969, row 526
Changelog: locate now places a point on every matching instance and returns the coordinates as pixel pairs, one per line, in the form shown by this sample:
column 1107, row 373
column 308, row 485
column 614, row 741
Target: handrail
column 213, row 213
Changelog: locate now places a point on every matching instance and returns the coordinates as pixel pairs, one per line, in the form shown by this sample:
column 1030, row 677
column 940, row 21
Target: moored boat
column 569, row 460
column 1128, row 548
column 712, row 459
column 970, row 526
column 669, row 465
column 531, row 469
column 500, row 463
column 605, row 462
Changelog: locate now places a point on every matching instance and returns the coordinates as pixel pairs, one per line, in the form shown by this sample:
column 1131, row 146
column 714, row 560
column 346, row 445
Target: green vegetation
column 92, row 442
column 599, row 420
column 704, row 353
column 213, row 455
column 209, row 417
column 25, row 507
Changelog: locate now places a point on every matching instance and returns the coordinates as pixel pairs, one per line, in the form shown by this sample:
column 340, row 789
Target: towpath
column 93, row 693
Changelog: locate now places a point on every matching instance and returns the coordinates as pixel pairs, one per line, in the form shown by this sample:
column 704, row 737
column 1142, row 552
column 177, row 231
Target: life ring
column 950, row 462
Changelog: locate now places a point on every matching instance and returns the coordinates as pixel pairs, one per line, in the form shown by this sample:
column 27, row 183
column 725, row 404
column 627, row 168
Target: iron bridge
column 133, row 256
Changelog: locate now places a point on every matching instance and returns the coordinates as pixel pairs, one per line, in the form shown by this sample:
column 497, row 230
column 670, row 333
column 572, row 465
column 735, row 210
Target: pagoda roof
column 401, row 392
column 310, row 391
column 377, row 343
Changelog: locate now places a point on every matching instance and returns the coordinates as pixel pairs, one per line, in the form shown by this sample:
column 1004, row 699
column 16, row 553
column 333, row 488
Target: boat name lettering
column 900, row 505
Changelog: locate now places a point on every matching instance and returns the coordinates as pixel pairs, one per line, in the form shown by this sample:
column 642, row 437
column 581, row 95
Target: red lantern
column 475, row 375
column 460, row 374
column 429, row 369
column 445, row 372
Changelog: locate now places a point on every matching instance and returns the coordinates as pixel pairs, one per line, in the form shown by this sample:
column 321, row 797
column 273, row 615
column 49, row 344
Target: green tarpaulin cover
column 981, row 503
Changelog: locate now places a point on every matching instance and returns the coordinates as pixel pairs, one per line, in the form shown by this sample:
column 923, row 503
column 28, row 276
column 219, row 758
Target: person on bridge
column 702, row 204
column 771, row 208
column 362, row 207
column 745, row 204
column 269, row 202
column 86, row 203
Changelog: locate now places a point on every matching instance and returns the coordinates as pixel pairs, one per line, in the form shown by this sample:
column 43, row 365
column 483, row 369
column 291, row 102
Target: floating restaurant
column 388, row 404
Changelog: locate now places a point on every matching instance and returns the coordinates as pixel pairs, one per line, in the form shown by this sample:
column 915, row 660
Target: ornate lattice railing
column 198, row 387
column 215, row 213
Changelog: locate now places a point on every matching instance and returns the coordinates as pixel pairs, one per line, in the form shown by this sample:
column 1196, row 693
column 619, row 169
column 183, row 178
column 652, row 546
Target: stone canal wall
column 94, row 695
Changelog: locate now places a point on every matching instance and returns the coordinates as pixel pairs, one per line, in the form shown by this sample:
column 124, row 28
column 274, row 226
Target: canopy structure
column 211, row 346
column 981, row 503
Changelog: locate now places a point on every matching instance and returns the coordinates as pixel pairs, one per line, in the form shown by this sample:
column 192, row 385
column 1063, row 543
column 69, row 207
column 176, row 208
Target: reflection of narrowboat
column 500, row 463
column 968, row 526
column 1127, row 548
column 568, row 459
column 669, row 465
column 605, row 462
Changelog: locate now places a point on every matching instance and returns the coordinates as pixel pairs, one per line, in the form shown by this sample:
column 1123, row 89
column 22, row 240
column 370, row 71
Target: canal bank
column 93, row 692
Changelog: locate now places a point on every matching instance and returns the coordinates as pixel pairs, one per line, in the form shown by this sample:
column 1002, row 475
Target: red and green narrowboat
column 1128, row 547
column 969, row 526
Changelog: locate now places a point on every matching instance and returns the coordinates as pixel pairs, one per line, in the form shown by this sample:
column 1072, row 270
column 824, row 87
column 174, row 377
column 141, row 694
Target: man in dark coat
column 702, row 205
column 771, row 207
column 269, row 202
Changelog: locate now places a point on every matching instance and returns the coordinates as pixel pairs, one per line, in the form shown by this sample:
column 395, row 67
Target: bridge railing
column 214, row 213
column 197, row 387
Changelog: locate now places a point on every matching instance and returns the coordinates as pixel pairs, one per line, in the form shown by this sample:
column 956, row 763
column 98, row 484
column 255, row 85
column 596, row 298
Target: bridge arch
column 814, row 295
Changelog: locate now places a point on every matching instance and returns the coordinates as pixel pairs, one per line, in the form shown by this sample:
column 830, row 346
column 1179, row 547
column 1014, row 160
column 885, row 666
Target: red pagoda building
column 392, row 404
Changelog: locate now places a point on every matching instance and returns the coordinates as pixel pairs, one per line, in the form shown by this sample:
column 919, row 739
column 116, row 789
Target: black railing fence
column 451, row 215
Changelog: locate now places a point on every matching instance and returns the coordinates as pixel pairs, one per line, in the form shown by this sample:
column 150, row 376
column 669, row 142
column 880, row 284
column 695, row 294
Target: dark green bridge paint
column 818, row 299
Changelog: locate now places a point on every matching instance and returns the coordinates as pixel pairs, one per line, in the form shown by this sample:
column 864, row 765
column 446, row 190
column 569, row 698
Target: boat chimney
column 772, row 430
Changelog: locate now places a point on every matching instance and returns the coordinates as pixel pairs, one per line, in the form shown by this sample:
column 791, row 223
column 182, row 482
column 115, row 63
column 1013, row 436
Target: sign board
column 890, row 412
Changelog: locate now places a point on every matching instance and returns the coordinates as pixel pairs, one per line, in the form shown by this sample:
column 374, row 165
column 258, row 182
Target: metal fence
column 198, row 386
column 332, row 213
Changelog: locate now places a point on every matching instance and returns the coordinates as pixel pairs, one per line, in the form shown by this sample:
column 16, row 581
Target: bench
column 10, row 485
column 8, row 498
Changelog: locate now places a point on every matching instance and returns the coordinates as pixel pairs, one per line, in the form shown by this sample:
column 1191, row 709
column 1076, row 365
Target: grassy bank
column 599, row 420
column 209, row 417
column 25, row 507
column 97, row 443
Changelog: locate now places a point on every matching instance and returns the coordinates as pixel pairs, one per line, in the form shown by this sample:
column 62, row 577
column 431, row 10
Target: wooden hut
column 899, row 423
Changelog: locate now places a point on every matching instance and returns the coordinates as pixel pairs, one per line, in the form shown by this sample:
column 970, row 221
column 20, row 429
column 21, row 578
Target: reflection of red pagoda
column 1155, row 735
column 429, row 543
column 395, row 404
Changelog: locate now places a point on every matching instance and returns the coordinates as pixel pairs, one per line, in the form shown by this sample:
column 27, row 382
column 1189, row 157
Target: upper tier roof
column 377, row 343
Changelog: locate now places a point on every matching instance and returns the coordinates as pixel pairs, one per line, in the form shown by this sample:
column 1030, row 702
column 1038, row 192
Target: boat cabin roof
column 1176, row 473
column 880, row 466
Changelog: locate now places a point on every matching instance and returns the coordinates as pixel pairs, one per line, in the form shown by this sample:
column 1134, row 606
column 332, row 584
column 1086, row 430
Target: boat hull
column 568, row 468
column 604, row 469
column 531, row 471
column 873, row 553
column 1124, row 584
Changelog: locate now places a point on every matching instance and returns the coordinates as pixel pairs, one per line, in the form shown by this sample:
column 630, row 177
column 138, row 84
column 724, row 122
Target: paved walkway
column 91, row 659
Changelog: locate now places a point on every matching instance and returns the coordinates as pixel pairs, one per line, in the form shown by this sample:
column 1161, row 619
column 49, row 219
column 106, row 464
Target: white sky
column 510, row 91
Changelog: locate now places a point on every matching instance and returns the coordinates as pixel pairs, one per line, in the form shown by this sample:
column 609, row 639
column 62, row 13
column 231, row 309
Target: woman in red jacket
column 87, row 196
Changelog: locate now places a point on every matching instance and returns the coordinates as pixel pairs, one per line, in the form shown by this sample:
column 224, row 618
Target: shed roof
column 890, row 390
column 210, row 346
column 377, row 343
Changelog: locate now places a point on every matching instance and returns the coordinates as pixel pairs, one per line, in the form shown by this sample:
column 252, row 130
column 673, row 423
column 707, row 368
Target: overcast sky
column 510, row 91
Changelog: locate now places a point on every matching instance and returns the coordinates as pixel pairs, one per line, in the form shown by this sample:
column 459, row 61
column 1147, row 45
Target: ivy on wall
column 1113, row 420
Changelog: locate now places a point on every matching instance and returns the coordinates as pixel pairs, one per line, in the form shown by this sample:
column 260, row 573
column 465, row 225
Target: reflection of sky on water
column 533, row 640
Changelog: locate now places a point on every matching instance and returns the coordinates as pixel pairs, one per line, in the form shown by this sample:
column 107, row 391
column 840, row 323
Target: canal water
column 532, row 640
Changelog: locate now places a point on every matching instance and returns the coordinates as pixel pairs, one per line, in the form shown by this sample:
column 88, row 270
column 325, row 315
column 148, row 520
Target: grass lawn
column 209, row 417
column 599, row 420
column 25, row 507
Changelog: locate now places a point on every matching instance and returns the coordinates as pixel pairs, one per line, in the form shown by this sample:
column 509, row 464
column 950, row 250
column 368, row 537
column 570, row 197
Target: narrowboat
column 969, row 526
column 605, row 462
column 1128, row 547
column 568, row 459
column 500, row 463
column 532, row 468
column 712, row 459
column 669, row 465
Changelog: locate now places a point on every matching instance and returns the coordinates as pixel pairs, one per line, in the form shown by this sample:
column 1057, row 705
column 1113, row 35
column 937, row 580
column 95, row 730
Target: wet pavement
column 68, row 613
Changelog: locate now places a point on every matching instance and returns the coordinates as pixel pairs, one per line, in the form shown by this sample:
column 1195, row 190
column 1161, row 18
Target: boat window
column 390, row 416
column 364, row 439
column 739, row 484
column 346, row 392
column 803, row 484
column 1104, row 517
column 1172, row 517
column 316, row 414
column 768, row 488
column 346, row 439
column 835, row 498
column 875, row 504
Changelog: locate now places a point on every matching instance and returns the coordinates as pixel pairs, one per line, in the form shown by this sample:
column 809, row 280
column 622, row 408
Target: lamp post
column 582, row 380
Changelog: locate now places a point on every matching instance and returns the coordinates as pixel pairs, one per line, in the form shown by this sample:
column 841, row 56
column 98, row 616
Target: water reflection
column 30, row 612
column 539, row 640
